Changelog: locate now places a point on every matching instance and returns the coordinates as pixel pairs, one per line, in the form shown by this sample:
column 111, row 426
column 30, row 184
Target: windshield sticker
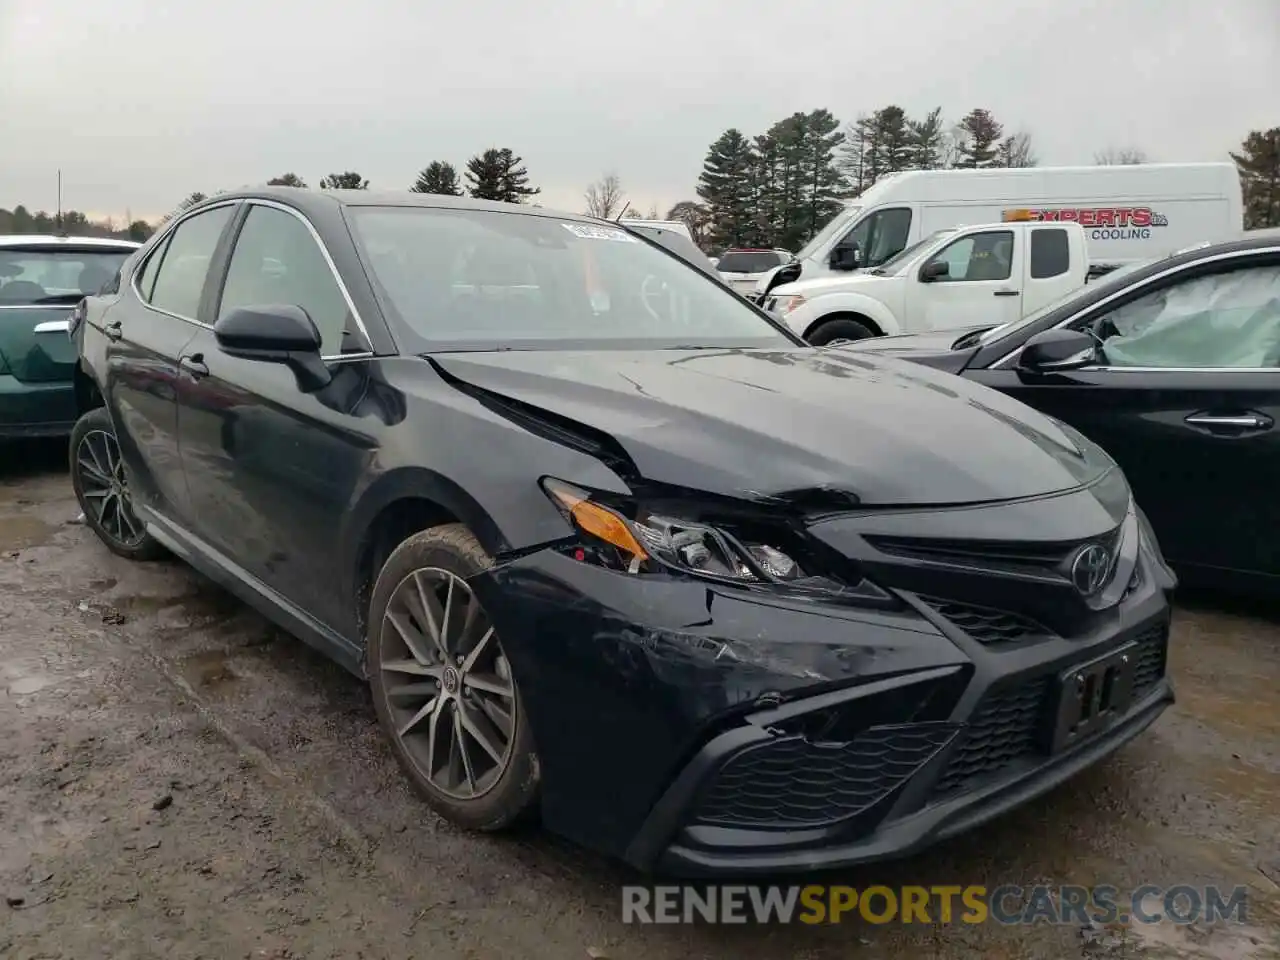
column 589, row 231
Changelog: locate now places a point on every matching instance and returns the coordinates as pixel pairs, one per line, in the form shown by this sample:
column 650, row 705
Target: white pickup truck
column 986, row 274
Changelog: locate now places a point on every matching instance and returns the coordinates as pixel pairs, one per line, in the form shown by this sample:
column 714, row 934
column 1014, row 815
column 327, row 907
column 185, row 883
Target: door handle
column 194, row 365
column 113, row 330
column 1006, row 293
column 1235, row 421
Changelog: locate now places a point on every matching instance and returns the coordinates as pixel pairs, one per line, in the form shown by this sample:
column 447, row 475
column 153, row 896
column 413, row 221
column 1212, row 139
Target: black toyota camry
column 609, row 546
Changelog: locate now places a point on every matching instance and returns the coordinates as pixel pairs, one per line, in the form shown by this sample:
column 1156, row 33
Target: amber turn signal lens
column 598, row 521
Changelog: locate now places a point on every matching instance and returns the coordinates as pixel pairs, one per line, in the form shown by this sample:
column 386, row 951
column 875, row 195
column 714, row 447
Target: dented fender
column 660, row 664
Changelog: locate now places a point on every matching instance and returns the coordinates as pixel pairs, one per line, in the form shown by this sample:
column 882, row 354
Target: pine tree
column 438, row 177
column 287, row 180
column 344, row 181
column 498, row 174
column 724, row 186
column 1259, row 164
column 927, row 137
column 893, row 137
column 981, row 146
column 857, row 157
column 821, row 185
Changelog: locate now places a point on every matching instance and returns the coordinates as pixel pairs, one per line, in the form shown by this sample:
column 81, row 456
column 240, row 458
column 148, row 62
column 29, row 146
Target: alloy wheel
column 447, row 683
column 105, row 488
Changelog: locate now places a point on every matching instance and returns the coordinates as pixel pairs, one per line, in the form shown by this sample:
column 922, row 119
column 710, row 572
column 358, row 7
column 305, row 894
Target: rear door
column 1049, row 271
column 146, row 330
column 1187, row 401
column 982, row 285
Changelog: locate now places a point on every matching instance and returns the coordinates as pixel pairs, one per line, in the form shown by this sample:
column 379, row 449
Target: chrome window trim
column 37, row 306
column 1005, row 362
column 157, row 242
column 315, row 237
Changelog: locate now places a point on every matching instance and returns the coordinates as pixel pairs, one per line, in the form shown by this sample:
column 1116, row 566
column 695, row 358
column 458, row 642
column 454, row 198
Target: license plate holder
column 1092, row 695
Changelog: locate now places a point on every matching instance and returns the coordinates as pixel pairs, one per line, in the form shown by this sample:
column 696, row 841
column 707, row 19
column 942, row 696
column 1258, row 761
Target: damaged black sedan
column 610, row 547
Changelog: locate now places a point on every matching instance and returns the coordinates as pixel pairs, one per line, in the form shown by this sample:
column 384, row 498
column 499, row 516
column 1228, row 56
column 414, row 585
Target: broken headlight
column 652, row 541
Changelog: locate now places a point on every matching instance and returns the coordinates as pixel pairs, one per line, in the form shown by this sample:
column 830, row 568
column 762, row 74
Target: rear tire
column 443, row 687
column 102, row 489
column 839, row 329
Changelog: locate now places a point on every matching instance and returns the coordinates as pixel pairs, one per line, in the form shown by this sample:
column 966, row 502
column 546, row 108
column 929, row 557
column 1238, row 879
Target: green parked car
column 42, row 279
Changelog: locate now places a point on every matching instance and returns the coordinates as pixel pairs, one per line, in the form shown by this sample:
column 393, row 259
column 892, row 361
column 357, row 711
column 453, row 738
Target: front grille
column 792, row 781
column 1004, row 729
column 986, row 624
column 1007, row 726
column 1150, row 659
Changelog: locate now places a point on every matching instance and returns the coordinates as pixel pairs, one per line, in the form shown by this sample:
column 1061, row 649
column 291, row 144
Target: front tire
column 443, row 688
column 840, row 329
column 102, row 489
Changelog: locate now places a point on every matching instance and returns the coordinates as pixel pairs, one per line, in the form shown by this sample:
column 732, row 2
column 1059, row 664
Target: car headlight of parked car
column 784, row 305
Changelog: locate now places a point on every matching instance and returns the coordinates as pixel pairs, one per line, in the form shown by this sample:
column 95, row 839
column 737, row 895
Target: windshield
column 748, row 261
column 1114, row 278
column 834, row 226
column 904, row 255
column 42, row 276
column 472, row 279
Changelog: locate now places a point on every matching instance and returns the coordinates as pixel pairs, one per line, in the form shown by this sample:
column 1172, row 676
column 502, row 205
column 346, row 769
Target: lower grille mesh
column 1008, row 725
column 791, row 781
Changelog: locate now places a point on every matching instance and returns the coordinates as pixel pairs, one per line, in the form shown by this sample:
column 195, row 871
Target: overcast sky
column 141, row 105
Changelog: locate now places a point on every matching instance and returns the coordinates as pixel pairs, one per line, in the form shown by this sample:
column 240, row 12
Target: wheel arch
column 395, row 507
column 861, row 318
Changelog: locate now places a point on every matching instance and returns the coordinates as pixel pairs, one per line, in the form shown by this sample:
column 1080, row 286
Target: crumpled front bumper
column 700, row 730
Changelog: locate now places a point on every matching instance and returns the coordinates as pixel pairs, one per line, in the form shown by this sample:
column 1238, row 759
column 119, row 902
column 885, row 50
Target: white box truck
column 1128, row 213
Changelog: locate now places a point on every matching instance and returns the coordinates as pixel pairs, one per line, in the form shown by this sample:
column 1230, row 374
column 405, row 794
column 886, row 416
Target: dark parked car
column 41, row 281
column 1173, row 366
column 609, row 545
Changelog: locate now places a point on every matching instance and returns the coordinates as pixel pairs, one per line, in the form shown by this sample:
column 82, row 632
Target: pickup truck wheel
column 841, row 329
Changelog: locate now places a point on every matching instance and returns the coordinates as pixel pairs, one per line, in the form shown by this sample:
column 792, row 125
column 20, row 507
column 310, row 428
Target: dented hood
column 767, row 423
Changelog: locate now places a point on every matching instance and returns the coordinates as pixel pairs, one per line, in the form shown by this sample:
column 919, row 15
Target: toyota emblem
column 1089, row 569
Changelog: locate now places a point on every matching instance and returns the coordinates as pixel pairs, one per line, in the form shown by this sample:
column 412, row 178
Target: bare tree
column 1016, row 151
column 605, row 198
column 1122, row 157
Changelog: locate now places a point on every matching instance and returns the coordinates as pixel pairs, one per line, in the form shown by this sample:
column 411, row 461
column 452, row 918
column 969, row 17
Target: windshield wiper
column 878, row 272
column 970, row 338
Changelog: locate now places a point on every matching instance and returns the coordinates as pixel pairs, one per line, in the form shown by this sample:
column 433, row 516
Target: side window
column 1050, row 253
column 881, row 235
column 276, row 260
column 978, row 256
column 147, row 272
column 1228, row 319
column 180, row 275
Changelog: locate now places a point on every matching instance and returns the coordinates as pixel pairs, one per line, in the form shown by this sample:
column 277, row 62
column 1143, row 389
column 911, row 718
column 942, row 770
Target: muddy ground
column 178, row 779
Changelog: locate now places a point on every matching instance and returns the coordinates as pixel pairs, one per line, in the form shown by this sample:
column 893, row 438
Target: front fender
column 805, row 317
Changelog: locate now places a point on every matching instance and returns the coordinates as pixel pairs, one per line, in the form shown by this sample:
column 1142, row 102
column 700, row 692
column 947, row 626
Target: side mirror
column 934, row 270
column 275, row 333
column 845, row 256
column 1053, row 351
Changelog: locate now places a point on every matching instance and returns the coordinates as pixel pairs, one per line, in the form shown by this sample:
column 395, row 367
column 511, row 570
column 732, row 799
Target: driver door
column 982, row 285
column 270, row 469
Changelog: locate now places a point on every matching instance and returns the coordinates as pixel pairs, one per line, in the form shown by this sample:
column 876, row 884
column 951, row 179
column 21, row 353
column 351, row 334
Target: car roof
column 306, row 199
column 37, row 240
